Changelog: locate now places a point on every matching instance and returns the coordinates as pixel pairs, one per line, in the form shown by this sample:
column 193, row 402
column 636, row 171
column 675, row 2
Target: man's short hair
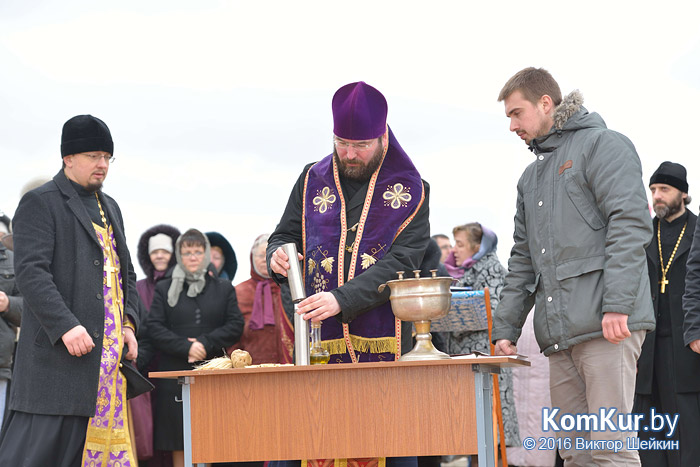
column 442, row 236
column 533, row 83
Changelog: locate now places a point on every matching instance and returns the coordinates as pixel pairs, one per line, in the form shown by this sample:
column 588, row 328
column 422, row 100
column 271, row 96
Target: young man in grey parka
column 581, row 228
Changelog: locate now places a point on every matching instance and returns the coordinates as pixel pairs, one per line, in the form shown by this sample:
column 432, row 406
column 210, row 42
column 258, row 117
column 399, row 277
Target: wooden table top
column 501, row 361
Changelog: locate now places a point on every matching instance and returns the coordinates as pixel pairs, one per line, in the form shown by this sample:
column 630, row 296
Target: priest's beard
column 361, row 173
column 664, row 210
column 93, row 187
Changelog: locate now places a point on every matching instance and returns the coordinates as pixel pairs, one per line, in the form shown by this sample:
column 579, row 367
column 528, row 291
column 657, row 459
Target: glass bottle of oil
column 317, row 355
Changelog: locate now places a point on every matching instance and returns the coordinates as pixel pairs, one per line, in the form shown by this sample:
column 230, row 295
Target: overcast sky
column 216, row 106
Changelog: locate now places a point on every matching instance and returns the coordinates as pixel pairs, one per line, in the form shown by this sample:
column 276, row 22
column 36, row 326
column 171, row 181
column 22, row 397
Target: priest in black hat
column 68, row 397
column 668, row 376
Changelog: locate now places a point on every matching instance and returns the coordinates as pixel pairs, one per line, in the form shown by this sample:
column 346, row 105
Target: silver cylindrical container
column 301, row 339
column 296, row 286
column 296, row 280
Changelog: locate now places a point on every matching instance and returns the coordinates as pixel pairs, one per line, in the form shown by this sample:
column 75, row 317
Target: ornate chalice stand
column 420, row 300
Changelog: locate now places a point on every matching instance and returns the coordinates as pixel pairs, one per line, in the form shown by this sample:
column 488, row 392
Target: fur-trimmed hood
column 142, row 250
column 230, row 262
column 571, row 104
column 570, row 115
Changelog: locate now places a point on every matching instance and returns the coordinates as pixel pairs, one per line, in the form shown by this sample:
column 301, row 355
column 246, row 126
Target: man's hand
column 131, row 343
column 319, row 306
column 197, row 351
column 615, row 327
column 78, row 341
column 279, row 261
column 695, row 346
column 505, row 347
column 4, row 302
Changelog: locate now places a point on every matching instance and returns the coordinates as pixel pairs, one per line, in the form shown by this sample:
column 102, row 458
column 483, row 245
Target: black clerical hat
column 84, row 133
column 671, row 173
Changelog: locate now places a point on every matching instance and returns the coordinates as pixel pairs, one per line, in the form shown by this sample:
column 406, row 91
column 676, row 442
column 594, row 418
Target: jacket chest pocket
column 584, row 202
column 7, row 279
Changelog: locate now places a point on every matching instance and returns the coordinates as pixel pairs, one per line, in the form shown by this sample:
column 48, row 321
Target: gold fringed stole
column 361, row 344
column 108, row 441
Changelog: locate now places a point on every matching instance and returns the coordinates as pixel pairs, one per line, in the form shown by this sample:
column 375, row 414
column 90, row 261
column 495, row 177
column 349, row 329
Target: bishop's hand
column 319, row 306
column 279, row 261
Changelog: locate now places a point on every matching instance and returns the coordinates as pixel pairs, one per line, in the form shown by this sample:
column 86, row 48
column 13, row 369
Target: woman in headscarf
column 193, row 317
column 155, row 253
column 269, row 334
column 474, row 263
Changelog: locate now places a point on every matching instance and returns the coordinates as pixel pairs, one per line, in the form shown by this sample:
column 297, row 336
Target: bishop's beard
column 363, row 172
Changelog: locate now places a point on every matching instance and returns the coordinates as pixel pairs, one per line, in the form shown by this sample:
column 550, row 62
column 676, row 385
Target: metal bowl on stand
column 420, row 300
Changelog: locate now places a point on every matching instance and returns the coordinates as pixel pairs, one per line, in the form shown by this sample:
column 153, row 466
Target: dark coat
column 10, row 319
column 59, row 267
column 691, row 299
column 146, row 288
column 213, row 318
column 686, row 362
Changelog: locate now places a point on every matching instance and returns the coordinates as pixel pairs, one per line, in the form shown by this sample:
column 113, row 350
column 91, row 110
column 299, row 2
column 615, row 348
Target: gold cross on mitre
column 109, row 269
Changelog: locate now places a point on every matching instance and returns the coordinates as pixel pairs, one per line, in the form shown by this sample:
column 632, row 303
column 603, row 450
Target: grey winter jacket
column 10, row 319
column 581, row 227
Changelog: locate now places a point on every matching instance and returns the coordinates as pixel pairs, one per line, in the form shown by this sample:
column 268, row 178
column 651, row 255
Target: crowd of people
column 615, row 293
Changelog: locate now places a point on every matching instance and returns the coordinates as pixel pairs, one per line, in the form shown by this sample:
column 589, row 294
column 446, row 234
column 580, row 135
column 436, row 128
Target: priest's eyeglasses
column 198, row 254
column 361, row 146
column 96, row 157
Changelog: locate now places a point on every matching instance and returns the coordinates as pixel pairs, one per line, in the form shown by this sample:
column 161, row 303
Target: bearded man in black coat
column 81, row 311
column 668, row 376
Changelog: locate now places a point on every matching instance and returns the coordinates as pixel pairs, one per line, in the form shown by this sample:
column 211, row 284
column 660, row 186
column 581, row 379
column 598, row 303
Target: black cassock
column 668, row 377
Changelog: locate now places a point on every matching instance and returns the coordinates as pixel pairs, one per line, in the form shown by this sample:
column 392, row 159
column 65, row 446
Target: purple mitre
column 359, row 112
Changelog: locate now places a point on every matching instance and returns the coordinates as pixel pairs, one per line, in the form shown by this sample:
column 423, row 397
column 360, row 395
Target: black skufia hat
column 671, row 173
column 85, row 133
